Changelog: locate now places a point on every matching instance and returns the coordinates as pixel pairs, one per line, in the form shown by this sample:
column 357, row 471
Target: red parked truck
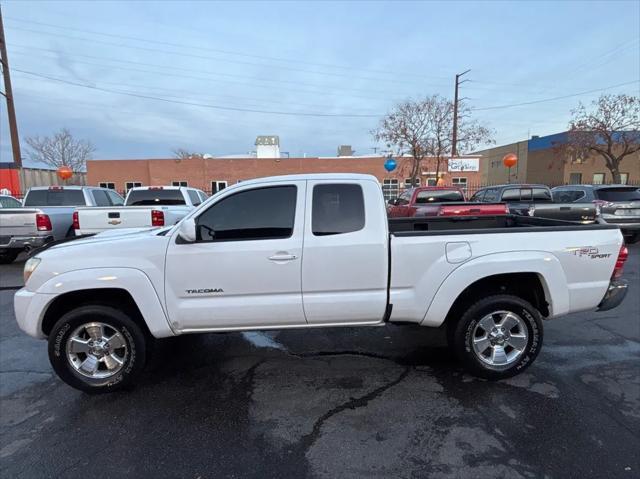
column 439, row 201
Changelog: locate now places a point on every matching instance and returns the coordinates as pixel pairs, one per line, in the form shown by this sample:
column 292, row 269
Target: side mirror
column 187, row 230
column 393, row 201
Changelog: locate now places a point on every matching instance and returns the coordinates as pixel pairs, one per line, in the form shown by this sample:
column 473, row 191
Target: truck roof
column 313, row 176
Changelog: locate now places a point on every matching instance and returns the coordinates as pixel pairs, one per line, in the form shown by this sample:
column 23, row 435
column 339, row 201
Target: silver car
column 619, row 204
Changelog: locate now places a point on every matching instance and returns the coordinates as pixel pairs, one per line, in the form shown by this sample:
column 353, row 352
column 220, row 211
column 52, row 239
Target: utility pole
column 8, row 94
column 454, row 141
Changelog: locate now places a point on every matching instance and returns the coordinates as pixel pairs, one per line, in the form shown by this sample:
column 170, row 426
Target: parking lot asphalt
column 375, row 402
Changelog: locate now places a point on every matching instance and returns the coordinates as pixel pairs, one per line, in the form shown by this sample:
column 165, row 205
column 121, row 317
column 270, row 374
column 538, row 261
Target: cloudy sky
column 141, row 78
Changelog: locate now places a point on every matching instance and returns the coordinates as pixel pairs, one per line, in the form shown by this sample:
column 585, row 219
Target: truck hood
column 107, row 237
column 143, row 250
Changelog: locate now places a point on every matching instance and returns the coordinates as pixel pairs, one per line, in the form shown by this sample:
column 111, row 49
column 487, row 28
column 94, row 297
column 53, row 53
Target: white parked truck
column 144, row 206
column 315, row 251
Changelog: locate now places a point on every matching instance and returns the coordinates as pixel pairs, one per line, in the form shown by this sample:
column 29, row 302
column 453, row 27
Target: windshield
column 155, row 197
column 439, row 196
column 618, row 194
column 59, row 197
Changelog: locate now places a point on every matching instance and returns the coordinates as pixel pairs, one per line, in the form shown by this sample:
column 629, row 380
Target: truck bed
column 483, row 224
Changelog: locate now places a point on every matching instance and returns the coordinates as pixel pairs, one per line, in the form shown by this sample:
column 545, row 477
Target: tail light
column 622, row 257
column 76, row 221
column 157, row 218
column 43, row 222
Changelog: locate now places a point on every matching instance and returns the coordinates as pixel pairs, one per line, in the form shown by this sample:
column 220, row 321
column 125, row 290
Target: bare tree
column 61, row 149
column 184, row 154
column 424, row 128
column 610, row 129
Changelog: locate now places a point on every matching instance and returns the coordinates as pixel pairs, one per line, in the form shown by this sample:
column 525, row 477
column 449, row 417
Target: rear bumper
column 26, row 242
column 614, row 296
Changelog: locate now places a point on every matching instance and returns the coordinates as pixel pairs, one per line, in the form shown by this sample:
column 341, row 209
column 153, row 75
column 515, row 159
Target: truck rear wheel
column 97, row 349
column 498, row 337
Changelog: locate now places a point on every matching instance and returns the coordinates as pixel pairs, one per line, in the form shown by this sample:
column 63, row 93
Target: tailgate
column 105, row 218
column 17, row 222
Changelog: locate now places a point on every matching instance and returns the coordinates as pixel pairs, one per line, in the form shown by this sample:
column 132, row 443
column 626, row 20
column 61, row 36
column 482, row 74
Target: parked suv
column 619, row 204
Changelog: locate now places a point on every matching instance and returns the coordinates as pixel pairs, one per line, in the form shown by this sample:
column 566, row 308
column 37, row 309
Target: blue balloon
column 390, row 164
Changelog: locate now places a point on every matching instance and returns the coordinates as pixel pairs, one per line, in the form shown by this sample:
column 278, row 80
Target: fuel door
column 458, row 252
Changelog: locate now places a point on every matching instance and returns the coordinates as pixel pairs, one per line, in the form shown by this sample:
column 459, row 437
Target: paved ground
column 377, row 402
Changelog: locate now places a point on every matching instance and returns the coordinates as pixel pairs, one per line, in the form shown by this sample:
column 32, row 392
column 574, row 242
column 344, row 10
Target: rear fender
column 545, row 265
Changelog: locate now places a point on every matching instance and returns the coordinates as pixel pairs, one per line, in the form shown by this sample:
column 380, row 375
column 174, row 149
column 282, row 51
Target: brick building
column 541, row 161
column 211, row 174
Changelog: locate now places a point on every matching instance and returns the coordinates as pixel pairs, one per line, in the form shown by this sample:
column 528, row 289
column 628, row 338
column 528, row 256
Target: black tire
column 9, row 256
column 116, row 320
column 461, row 336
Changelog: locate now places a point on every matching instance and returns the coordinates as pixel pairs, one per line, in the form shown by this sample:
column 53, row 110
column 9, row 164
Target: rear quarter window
column 337, row 209
column 55, row 198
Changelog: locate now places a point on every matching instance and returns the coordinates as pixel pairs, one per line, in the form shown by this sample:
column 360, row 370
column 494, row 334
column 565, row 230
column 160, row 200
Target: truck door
column 244, row 269
column 345, row 265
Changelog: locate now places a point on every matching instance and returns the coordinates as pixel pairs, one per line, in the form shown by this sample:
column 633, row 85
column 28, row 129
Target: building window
column 598, row 178
column 179, row 183
column 390, row 188
column 460, row 182
column 132, row 184
column 624, row 178
column 408, row 184
column 107, row 184
column 432, row 182
column 575, row 178
column 217, row 186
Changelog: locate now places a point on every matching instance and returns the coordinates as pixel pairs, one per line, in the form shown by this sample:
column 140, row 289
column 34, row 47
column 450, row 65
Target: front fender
column 134, row 281
column 545, row 265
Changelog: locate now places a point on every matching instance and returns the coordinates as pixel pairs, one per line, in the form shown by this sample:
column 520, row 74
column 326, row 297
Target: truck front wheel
column 97, row 349
column 498, row 337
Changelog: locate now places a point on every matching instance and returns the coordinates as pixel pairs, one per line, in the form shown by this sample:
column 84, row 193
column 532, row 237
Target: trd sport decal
column 588, row 252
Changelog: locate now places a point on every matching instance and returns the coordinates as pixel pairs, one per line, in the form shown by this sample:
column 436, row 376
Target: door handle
column 283, row 257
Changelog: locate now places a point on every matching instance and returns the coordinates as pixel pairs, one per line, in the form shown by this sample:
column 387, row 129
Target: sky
column 139, row 79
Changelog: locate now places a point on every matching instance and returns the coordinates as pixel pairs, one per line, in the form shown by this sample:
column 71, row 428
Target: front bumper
column 29, row 308
column 614, row 296
column 26, row 242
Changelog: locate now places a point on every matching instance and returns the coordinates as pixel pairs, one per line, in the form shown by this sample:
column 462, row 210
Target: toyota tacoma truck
column 309, row 251
column 144, row 206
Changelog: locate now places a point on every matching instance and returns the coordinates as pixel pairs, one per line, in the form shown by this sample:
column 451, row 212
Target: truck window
column 115, row 198
column 439, row 196
column 259, row 214
column 478, row 196
column 404, row 198
column 541, row 194
column 101, row 198
column 490, row 195
column 193, row 196
column 152, row 197
column 55, row 197
column 511, row 194
column 8, row 202
column 337, row 209
column 618, row 194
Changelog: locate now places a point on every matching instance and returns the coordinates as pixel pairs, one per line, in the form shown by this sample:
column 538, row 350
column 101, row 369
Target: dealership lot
column 332, row 403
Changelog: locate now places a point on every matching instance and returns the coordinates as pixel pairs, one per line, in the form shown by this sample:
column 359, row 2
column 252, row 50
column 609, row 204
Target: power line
column 203, row 57
column 500, row 107
column 205, row 72
column 216, row 50
column 203, row 105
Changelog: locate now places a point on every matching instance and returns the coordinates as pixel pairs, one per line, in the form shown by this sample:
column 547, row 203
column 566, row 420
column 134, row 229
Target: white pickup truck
column 315, row 251
column 144, row 207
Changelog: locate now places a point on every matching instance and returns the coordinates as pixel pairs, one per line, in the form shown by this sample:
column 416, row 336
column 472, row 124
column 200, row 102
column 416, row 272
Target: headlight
column 29, row 267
